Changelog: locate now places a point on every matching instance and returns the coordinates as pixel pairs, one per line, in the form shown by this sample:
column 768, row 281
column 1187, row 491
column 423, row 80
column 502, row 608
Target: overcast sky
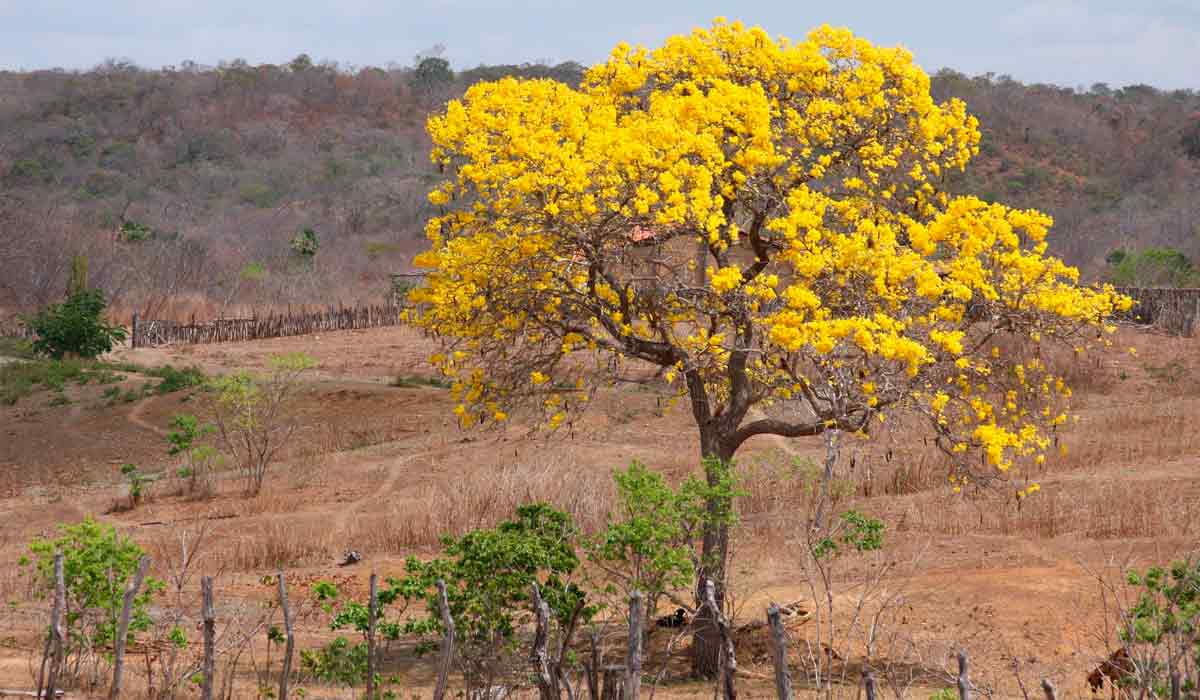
column 1068, row 42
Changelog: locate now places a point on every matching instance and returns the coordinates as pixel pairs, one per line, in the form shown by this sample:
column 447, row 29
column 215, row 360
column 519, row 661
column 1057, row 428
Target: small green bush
column 97, row 563
column 75, row 327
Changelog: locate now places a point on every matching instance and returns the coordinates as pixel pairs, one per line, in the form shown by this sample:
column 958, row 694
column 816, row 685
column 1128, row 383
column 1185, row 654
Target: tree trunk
column 706, row 635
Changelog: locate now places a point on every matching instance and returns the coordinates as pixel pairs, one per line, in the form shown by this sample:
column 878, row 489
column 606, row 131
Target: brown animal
column 1117, row 667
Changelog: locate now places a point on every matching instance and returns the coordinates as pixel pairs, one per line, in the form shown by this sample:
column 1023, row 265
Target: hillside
column 185, row 186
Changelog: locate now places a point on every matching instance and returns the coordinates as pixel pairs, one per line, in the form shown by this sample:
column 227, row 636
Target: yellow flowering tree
column 762, row 219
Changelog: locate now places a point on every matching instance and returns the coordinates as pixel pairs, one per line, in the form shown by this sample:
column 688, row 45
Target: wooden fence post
column 728, row 659
column 131, row 591
column 53, row 653
column 964, row 681
column 633, row 656
column 133, row 331
column 290, row 644
column 540, row 658
column 1049, row 689
column 371, row 637
column 613, row 683
column 447, row 651
column 869, row 682
column 210, row 637
column 783, row 679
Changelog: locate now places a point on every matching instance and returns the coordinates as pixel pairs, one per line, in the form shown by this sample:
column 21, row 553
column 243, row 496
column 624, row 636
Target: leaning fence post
column 371, row 638
column 783, row 679
column 210, row 637
column 131, row 590
column 291, row 641
column 633, row 657
column 964, row 682
column 447, row 651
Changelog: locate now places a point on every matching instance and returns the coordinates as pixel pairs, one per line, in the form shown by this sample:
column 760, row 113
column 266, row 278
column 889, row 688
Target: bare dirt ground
column 385, row 470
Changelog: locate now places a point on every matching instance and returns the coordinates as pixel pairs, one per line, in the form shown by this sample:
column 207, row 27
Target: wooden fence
column 1176, row 311
column 151, row 332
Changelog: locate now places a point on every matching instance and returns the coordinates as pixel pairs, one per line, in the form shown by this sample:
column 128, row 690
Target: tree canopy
column 833, row 278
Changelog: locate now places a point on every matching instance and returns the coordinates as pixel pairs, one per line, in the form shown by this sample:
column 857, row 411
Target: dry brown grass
column 279, row 542
column 483, row 497
column 1094, row 511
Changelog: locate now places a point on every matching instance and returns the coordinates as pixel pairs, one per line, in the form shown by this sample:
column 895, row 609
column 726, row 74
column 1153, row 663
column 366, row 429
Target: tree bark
column 131, row 591
column 290, row 644
column 706, row 636
column 210, row 637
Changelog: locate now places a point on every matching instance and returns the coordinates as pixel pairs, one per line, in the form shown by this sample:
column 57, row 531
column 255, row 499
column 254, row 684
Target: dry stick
column 291, row 640
column 131, row 591
column 538, row 655
column 964, row 683
column 1049, row 689
column 371, row 638
column 633, row 658
column 210, row 637
column 783, row 679
column 447, row 651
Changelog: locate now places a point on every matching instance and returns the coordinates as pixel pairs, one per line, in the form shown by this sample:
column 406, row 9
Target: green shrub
column 75, row 327
column 1152, row 267
column 176, row 379
column 97, row 564
column 17, row 347
column 258, row 194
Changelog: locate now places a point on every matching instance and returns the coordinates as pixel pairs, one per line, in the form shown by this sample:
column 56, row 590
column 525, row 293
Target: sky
column 1065, row 42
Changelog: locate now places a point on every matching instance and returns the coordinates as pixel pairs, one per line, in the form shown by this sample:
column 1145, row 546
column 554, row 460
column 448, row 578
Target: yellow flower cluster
column 830, row 264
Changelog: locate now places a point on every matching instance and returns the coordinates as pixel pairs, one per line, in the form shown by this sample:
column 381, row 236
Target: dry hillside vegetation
column 185, row 186
column 383, row 469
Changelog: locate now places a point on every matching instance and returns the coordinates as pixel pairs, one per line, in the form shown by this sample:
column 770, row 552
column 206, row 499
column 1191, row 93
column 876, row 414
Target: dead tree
column 290, row 644
column 783, row 679
column 447, row 650
column 633, row 658
column 131, row 591
column 210, row 637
